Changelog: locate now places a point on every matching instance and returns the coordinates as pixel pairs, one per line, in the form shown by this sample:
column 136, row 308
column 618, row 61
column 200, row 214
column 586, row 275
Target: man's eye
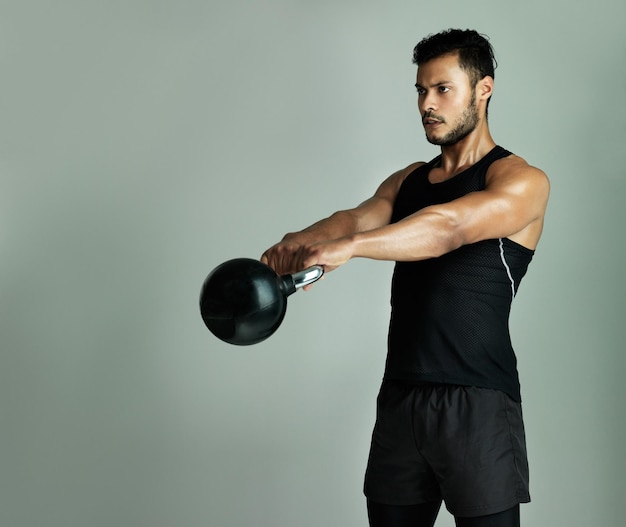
column 444, row 89
column 421, row 91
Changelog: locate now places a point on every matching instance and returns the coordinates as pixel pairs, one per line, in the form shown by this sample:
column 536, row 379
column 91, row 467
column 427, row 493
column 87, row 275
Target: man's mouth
column 430, row 120
column 429, row 123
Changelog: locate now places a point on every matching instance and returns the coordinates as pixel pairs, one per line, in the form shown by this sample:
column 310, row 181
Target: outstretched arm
column 286, row 256
column 512, row 205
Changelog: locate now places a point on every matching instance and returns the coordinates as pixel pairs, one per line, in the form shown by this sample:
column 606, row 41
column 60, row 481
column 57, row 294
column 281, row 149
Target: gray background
column 144, row 142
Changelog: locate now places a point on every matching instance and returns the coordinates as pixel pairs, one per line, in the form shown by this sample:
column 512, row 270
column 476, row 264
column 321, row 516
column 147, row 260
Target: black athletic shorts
column 462, row 444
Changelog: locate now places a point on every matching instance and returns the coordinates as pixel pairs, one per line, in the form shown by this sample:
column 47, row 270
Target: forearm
column 287, row 255
column 284, row 257
column 428, row 234
column 338, row 225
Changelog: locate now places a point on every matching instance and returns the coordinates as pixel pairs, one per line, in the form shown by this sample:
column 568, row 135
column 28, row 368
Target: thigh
column 397, row 473
column 480, row 455
column 423, row 515
column 508, row 518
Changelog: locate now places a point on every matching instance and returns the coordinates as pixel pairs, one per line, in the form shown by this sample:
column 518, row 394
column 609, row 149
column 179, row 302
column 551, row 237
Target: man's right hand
column 283, row 257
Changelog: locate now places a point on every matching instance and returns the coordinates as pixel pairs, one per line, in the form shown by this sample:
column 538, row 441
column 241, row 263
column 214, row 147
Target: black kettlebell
column 243, row 301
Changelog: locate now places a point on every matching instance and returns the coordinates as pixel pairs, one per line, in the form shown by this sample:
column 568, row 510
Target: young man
column 462, row 230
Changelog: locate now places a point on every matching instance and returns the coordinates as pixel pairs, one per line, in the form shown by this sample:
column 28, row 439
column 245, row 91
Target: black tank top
column 450, row 315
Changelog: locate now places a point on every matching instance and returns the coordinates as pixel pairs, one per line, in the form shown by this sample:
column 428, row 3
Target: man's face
column 446, row 101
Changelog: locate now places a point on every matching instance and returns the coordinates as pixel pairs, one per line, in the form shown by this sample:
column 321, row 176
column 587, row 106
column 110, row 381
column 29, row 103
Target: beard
column 464, row 125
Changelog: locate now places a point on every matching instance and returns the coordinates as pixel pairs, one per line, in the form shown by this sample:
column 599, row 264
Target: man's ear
column 485, row 88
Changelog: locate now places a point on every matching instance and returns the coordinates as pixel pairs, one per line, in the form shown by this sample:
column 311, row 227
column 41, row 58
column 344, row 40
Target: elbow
column 448, row 235
column 446, row 243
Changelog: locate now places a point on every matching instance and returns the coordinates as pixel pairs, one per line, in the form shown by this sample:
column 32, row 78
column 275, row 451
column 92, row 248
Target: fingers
column 288, row 257
column 308, row 258
column 282, row 257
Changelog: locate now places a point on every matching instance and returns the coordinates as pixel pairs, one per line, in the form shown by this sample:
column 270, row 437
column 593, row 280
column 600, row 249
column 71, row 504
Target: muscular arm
column 512, row 205
column 374, row 213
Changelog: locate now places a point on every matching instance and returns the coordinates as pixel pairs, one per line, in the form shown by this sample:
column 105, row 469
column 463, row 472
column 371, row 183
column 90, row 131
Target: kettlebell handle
column 295, row 281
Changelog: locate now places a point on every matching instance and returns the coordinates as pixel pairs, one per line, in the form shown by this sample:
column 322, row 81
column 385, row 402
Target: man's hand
column 290, row 256
column 283, row 256
column 330, row 254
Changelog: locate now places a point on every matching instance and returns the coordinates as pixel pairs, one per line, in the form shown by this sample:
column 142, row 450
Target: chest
column 420, row 190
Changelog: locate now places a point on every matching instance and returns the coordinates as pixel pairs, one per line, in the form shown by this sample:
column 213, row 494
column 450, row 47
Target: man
column 462, row 230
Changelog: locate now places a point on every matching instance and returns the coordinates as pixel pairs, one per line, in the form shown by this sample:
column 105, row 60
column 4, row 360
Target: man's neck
column 467, row 152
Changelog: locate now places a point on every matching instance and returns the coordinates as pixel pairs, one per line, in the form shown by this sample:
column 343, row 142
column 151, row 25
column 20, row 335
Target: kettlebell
column 243, row 301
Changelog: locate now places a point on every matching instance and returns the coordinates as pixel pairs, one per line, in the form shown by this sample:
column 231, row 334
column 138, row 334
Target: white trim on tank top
column 506, row 266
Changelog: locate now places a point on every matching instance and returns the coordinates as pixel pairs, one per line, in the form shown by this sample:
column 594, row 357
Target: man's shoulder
column 515, row 168
column 410, row 169
column 514, row 163
column 414, row 166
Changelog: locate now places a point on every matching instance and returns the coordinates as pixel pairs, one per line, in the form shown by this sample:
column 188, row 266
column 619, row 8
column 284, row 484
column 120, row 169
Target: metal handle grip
column 307, row 276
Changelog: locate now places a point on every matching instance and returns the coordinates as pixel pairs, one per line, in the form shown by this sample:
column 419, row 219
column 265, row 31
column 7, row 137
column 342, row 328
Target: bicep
column 512, row 203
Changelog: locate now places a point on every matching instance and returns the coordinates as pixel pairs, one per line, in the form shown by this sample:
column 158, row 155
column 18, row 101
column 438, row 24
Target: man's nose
column 427, row 103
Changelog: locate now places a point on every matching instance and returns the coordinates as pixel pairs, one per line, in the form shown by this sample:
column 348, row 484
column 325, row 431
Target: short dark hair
column 475, row 53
